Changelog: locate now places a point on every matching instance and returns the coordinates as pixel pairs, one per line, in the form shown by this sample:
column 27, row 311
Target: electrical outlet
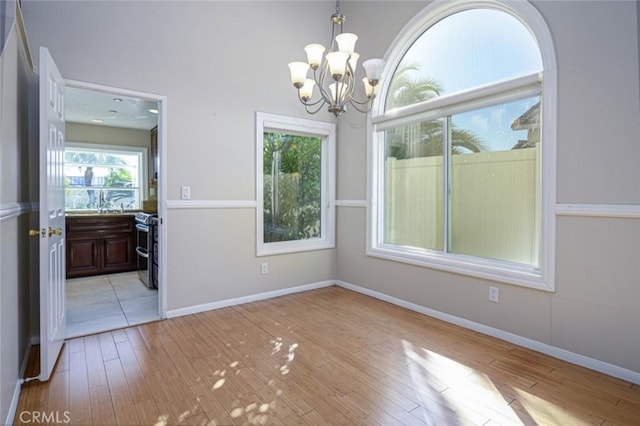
column 264, row 268
column 494, row 294
column 185, row 192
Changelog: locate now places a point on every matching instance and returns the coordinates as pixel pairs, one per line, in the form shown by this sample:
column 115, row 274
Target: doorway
column 114, row 149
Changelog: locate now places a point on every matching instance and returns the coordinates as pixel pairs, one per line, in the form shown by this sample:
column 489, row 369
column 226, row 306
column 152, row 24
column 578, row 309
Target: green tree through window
column 292, row 186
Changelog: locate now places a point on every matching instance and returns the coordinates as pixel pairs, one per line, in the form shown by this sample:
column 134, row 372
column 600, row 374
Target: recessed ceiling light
column 97, row 120
column 153, row 110
column 117, row 100
column 113, row 111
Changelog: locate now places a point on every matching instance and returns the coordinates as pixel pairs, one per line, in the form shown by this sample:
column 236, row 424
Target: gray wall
column 107, row 135
column 14, row 220
column 214, row 83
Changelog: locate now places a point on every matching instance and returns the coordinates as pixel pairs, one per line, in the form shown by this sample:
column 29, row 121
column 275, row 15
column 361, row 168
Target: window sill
column 285, row 247
column 504, row 272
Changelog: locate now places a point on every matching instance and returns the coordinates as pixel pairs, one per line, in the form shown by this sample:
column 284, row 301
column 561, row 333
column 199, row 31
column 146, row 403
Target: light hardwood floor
column 328, row 356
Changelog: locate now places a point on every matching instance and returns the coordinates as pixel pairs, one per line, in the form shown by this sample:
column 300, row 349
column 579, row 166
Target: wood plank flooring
column 328, row 356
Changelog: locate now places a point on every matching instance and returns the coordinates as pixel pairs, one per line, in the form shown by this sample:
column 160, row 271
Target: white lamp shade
column 314, row 53
column 298, row 72
column 341, row 87
column 346, row 42
column 353, row 61
column 369, row 90
column 306, row 91
column 337, row 62
column 373, row 68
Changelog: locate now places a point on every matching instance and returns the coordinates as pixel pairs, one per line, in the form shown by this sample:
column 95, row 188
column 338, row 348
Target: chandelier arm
column 320, row 83
column 306, row 106
column 311, row 103
column 355, row 101
column 355, row 104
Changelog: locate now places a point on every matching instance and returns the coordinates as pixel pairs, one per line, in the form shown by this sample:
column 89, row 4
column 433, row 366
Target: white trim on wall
column 246, row 299
column 11, row 210
column 211, row 204
column 599, row 210
column 351, row 203
column 562, row 354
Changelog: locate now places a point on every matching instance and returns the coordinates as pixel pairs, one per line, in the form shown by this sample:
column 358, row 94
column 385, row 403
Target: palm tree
column 422, row 139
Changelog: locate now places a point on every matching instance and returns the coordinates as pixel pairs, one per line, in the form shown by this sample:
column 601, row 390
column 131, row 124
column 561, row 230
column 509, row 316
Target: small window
column 295, row 180
column 103, row 178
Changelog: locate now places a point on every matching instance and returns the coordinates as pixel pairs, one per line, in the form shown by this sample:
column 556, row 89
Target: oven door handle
column 142, row 252
column 141, row 227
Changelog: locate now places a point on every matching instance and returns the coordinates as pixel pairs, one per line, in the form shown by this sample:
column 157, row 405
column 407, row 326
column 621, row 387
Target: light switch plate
column 185, row 192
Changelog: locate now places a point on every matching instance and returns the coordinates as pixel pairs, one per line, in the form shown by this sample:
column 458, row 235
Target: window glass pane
column 495, row 192
column 292, row 179
column 96, row 179
column 463, row 51
column 413, row 198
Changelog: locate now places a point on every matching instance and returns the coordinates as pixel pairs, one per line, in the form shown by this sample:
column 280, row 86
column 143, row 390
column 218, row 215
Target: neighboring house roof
column 529, row 120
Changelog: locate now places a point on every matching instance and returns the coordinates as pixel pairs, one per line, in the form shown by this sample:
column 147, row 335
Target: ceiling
column 90, row 106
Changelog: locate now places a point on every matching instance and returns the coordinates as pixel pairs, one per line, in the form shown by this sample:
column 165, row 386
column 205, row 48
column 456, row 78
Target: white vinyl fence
column 494, row 204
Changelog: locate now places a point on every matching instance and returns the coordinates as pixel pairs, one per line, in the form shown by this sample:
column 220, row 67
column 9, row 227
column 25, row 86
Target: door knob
column 57, row 231
column 34, row 232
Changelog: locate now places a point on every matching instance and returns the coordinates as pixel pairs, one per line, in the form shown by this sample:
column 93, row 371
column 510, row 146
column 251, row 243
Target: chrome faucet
column 101, row 204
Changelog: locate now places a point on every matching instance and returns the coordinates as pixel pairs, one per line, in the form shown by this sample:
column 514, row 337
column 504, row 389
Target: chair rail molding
column 631, row 211
column 211, row 204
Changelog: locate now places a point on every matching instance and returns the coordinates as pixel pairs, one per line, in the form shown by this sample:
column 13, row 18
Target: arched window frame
column 544, row 83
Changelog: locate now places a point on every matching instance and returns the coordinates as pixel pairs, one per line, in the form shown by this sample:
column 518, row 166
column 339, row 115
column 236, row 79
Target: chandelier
column 334, row 75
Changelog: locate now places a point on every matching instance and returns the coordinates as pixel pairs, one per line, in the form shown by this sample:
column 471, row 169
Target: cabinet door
column 83, row 256
column 118, row 253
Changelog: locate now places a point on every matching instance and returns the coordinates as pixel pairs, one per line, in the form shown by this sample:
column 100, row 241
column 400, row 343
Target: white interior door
column 52, row 221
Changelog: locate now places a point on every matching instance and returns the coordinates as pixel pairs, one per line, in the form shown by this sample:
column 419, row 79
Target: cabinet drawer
column 100, row 224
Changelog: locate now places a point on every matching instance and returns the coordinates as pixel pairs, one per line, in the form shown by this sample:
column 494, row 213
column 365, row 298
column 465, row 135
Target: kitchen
column 111, row 187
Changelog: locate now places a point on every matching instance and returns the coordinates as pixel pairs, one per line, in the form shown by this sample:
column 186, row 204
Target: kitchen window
column 463, row 145
column 103, row 178
column 295, row 184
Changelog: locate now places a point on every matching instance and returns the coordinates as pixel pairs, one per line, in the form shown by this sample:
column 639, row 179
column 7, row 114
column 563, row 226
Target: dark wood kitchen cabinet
column 100, row 244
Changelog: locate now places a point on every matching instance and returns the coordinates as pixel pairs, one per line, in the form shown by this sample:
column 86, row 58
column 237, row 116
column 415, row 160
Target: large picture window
column 463, row 145
column 103, row 178
column 295, row 180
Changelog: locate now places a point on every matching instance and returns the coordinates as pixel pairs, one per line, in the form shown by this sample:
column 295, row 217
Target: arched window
column 463, row 144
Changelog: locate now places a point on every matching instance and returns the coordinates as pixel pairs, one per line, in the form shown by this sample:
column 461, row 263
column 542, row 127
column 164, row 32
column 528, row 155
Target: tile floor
column 106, row 302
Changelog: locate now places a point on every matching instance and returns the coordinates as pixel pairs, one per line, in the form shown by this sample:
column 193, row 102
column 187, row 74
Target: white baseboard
column 581, row 360
column 246, row 299
column 11, row 415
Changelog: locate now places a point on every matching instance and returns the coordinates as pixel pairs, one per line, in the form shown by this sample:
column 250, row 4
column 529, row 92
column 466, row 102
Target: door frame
column 162, row 178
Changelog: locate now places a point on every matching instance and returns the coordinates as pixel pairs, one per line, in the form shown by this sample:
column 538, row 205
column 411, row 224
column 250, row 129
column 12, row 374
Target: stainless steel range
column 147, row 248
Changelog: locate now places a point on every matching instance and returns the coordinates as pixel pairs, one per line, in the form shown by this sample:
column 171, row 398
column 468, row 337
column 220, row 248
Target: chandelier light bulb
column 346, row 42
column 314, row 54
column 306, row 91
column 298, row 73
column 373, row 68
column 338, row 92
column 369, row 90
column 337, row 64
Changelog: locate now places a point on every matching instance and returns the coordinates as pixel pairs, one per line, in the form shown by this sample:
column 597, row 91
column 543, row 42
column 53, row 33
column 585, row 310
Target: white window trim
column 325, row 130
column 124, row 149
column 542, row 277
